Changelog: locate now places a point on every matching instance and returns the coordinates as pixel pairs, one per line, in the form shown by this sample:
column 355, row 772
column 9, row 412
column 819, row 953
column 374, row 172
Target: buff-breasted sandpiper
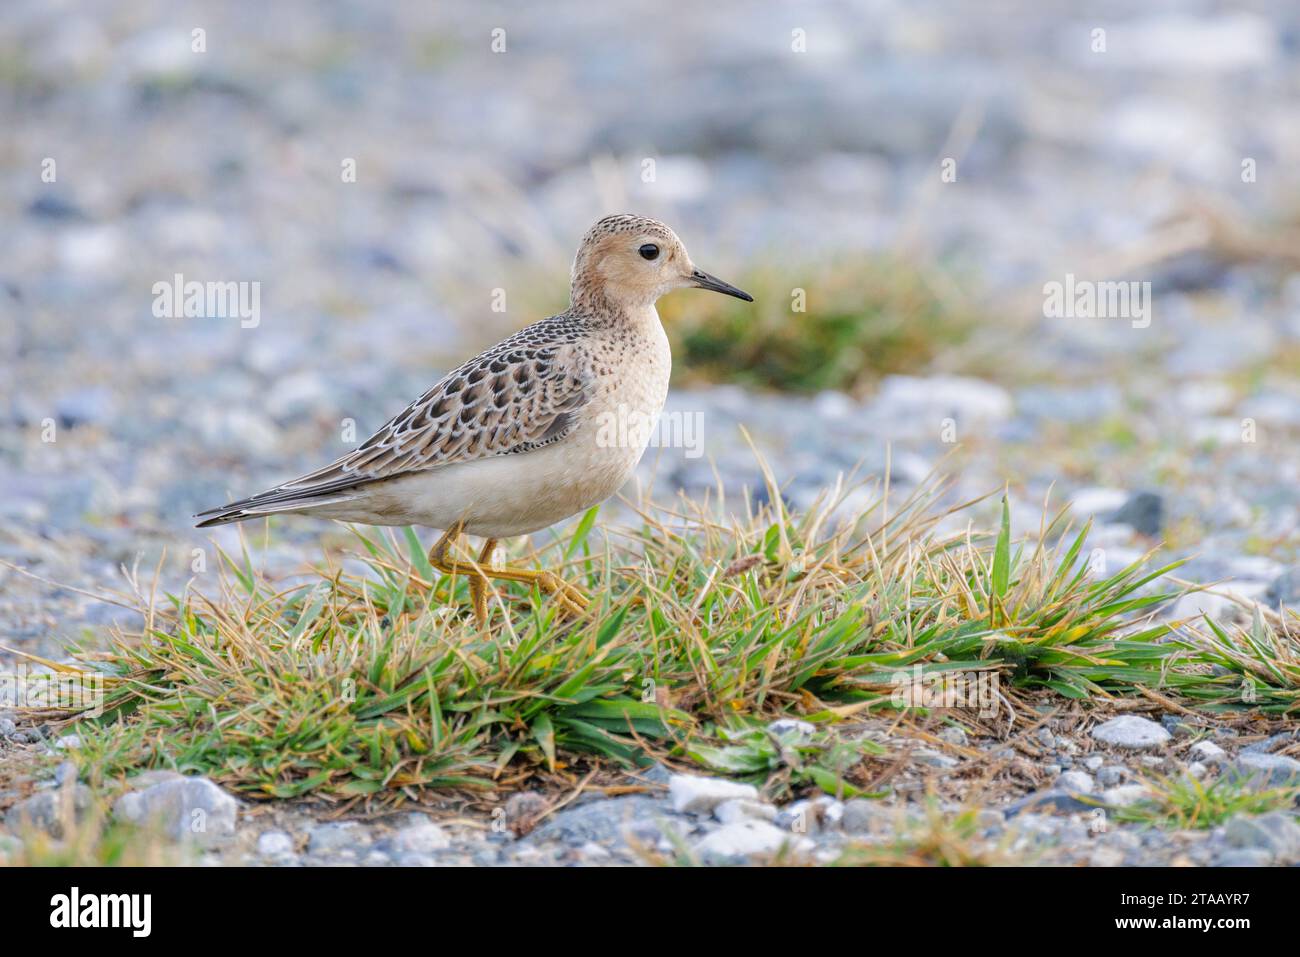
column 510, row 442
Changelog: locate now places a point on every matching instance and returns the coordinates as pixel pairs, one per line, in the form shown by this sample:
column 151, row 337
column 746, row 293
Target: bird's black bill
column 704, row 281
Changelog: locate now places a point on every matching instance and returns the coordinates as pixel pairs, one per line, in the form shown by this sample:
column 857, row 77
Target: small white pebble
column 700, row 795
column 742, row 809
column 274, row 844
column 1125, row 794
column 1208, row 752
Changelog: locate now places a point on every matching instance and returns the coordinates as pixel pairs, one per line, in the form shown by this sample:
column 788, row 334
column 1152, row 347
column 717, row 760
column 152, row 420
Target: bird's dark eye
column 649, row 251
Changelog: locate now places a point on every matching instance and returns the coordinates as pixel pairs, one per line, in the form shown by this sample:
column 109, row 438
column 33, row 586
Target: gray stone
column 953, row 735
column 420, row 838
column 746, row 839
column 740, row 809
column 524, row 809
column 1106, row 857
column 934, row 759
column 1208, row 751
column 7, row 728
column 655, row 774
column 1111, row 775
column 1076, row 782
column 830, row 812
column 147, row 779
column 700, row 795
column 822, row 813
column 1051, row 801
column 1144, row 512
column 275, row 844
column 591, row 851
column 796, row 816
column 188, row 809
column 419, row 860
column 1131, row 731
column 1125, row 795
column 1276, row 832
column 1270, row 744
column 650, row 833
column 337, row 836
column 49, row 811
column 1030, row 830
column 1244, row 857
column 1265, row 770
column 866, row 816
column 603, row 821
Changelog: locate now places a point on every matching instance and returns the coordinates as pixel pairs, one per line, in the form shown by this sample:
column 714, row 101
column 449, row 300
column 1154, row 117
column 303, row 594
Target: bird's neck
column 594, row 304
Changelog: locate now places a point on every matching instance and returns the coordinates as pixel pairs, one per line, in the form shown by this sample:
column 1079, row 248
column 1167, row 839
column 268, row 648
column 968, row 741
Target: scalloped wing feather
column 520, row 395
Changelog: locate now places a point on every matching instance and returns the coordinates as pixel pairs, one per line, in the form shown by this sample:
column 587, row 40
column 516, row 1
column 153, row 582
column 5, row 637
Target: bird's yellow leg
column 478, row 584
column 440, row 558
column 571, row 598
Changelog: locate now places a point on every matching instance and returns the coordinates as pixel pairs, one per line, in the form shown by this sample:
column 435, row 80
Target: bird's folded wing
column 514, row 398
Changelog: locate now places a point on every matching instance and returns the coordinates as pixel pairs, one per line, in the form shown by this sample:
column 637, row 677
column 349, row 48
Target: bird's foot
column 571, row 599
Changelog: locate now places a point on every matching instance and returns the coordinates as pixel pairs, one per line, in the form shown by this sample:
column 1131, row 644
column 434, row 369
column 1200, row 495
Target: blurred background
column 895, row 182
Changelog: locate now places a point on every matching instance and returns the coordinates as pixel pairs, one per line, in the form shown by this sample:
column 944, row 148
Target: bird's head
column 631, row 261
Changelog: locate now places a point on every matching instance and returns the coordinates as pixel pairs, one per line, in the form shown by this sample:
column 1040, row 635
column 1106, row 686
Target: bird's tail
column 252, row 508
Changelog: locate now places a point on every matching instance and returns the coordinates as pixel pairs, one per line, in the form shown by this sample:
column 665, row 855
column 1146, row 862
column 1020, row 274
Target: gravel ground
column 477, row 170
column 1079, row 782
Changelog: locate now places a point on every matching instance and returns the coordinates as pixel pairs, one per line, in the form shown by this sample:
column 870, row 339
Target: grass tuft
column 371, row 680
column 1257, row 667
column 934, row 839
column 92, row 841
column 859, row 320
column 1183, row 803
